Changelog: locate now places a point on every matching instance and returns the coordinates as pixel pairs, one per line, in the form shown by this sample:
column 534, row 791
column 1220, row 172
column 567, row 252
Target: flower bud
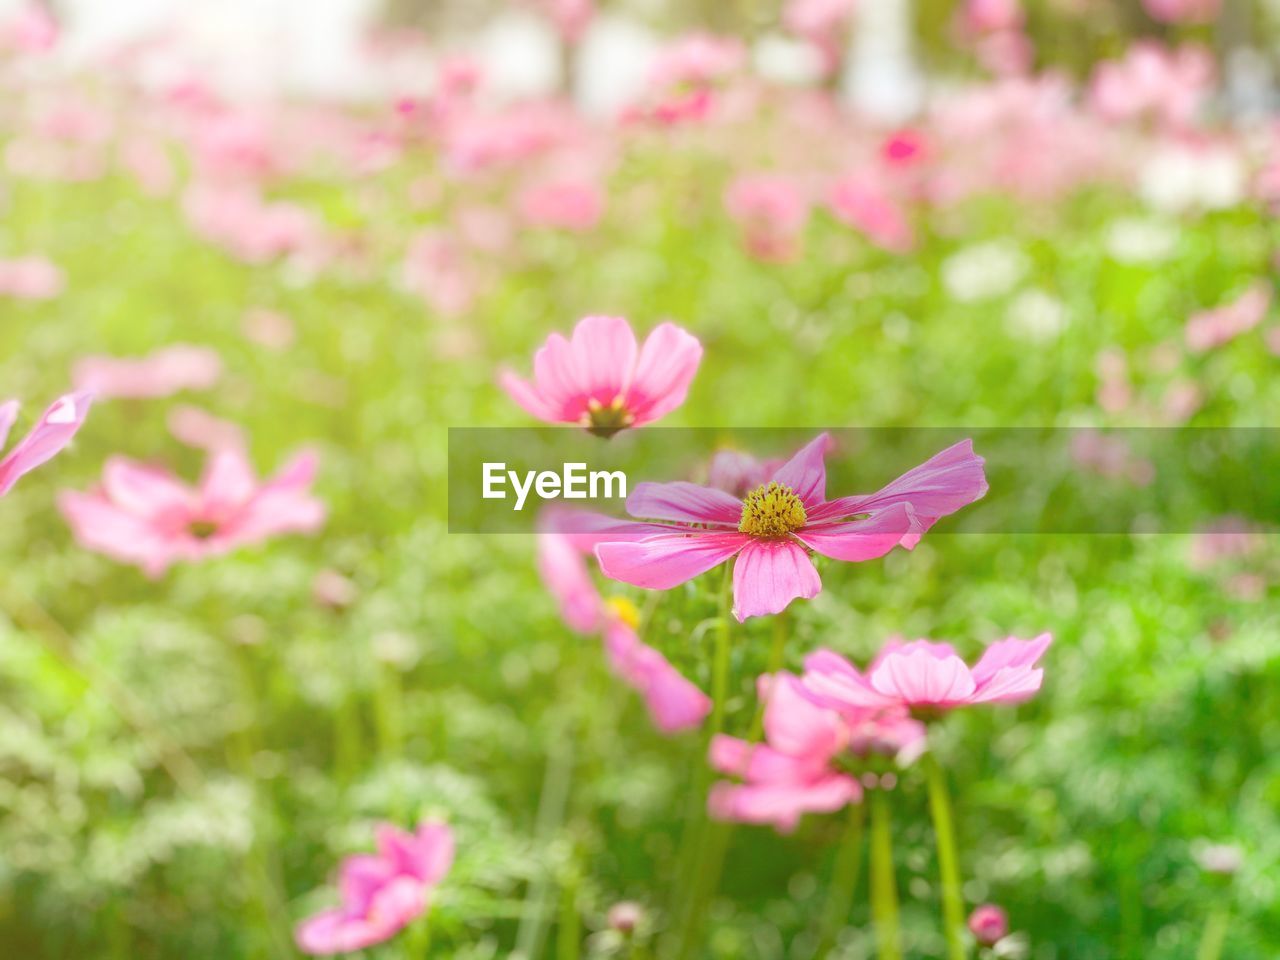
column 625, row 916
column 988, row 924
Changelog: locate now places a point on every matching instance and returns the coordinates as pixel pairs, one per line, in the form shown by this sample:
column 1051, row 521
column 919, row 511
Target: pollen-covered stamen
column 771, row 510
column 605, row 421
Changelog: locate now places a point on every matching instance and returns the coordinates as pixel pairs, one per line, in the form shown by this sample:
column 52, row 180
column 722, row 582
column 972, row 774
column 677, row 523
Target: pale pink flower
column 685, row 77
column 772, row 529
column 601, row 380
column 1181, row 400
column 989, row 924
column 52, row 432
column 437, row 269
column 382, row 893
column 928, row 677
column 1111, row 457
column 29, row 29
column 771, row 211
column 823, row 23
column 1273, row 341
column 146, row 516
column 1212, row 328
column 567, row 204
column 1183, row 11
column 1227, row 538
column 160, row 374
column 238, row 220
column 31, row 278
column 858, row 201
column 1153, row 81
column 149, row 162
column 202, row 430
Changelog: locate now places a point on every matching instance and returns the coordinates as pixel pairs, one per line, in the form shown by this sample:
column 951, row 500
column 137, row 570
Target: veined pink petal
column 666, row 366
column 603, row 351
column 1010, row 652
column 667, row 560
column 684, row 503
column 1009, row 685
column 555, row 378
column 781, row 804
column 768, row 575
column 359, row 878
column 918, row 678
column 859, row 540
column 834, row 681
column 806, row 473
column 52, row 432
column 794, row 724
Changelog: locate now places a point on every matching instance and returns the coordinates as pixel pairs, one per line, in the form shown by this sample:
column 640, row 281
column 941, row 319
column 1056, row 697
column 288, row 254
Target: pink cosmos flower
column 685, row 76
column 29, row 29
column 1111, row 457
column 771, row 530
column 823, row 24
column 436, row 268
column 160, row 374
column 382, row 893
column 858, row 201
column 989, row 924
column 52, row 432
column 569, row 204
column 1226, row 538
column 600, row 380
column 30, row 278
column 1151, row 80
column 146, row 516
column 928, row 677
column 1212, row 328
column 990, row 16
column 772, row 212
column 673, row 702
column 1182, row 11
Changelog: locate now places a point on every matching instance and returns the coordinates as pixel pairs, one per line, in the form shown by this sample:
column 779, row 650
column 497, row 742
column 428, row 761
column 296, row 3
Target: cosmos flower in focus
column 51, row 433
column 382, row 893
column 146, row 516
column 599, row 379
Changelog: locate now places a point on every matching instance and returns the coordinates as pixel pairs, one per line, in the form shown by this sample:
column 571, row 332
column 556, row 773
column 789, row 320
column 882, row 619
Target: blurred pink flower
column 823, row 23
column 52, row 432
column 238, row 220
column 1212, row 328
column 793, row 772
column 684, row 78
column 988, row 924
column 990, row 16
column 1226, row 538
column 905, row 148
column 673, row 702
column 149, row 162
column 382, row 893
column 437, row 269
column 1273, row 341
column 202, row 430
column 1111, row 457
column 268, row 328
column 772, row 212
column 1153, row 81
column 1183, row 11
column 569, row 204
column 928, row 676
column 30, row 278
column 570, row 17
column 773, row 528
column 600, row 380
column 28, row 29
column 146, row 516
column 858, row 201
column 160, row 374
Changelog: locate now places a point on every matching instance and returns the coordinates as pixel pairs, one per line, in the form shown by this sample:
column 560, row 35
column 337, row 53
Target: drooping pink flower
column 1153, row 81
column 30, row 278
column 674, row 703
column 601, row 380
column 860, row 202
column 160, row 374
column 771, row 211
column 927, row 676
column 771, row 530
column 1183, row 11
column 382, row 893
column 146, row 516
column 566, row 204
column 52, row 432
column 1212, row 328
column 989, row 924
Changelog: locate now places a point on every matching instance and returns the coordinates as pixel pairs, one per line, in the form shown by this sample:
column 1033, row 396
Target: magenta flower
column 860, row 202
column 146, row 516
column 989, row 924
column 382, row 893
column 927, row 677
column 600, row 380
column 1212, row 328
column 773, row 528
column 771, row 212
column 51, row 433
column 674, row 703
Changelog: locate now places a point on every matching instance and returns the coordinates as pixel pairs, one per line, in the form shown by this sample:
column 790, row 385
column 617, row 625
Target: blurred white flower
column 1141, row 240
column 983, row 271
column 1036, row 315
column 1182, row 177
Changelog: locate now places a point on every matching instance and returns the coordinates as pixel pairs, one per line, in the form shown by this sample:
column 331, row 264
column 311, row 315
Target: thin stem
column 1215, row 934
column 884, row 888
column 720, row 661
column 777, row 653
column 844, row 880
column 551, row 811
column 569, row 935
column 948, row 864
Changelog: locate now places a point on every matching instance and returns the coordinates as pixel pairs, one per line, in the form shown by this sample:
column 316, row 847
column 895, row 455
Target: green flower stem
column 884, row 889
column 569, row 933
column 948, row 864
column 1215, row 934
column 844, row 881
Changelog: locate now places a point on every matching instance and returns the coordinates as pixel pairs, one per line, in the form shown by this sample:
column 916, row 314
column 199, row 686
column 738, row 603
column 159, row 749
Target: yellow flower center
column 606, row 421
column 771, row 510
column 625, row 611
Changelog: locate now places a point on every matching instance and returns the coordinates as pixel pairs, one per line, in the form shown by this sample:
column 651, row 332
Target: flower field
column 259, row 700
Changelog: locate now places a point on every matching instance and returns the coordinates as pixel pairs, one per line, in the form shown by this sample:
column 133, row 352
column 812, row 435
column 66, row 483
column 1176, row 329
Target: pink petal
column 667, row 364
column 8, row 414
column 555, row 379
column 146, row 492
column 781, row 804
column 859, row 540
column 227, row 485
column 51, row 433
column 604, row 356
column 360, row 877
column 1010, row 685
column 100, row 525
column 1008, row 653
column 768, row 575
column 526, row 395
column 684, row 503
column 564, row 572
column 833, row 681
column 435, row 851
column 794, row 724
column 806, row 473
column 920, row 679
column 667, row 560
